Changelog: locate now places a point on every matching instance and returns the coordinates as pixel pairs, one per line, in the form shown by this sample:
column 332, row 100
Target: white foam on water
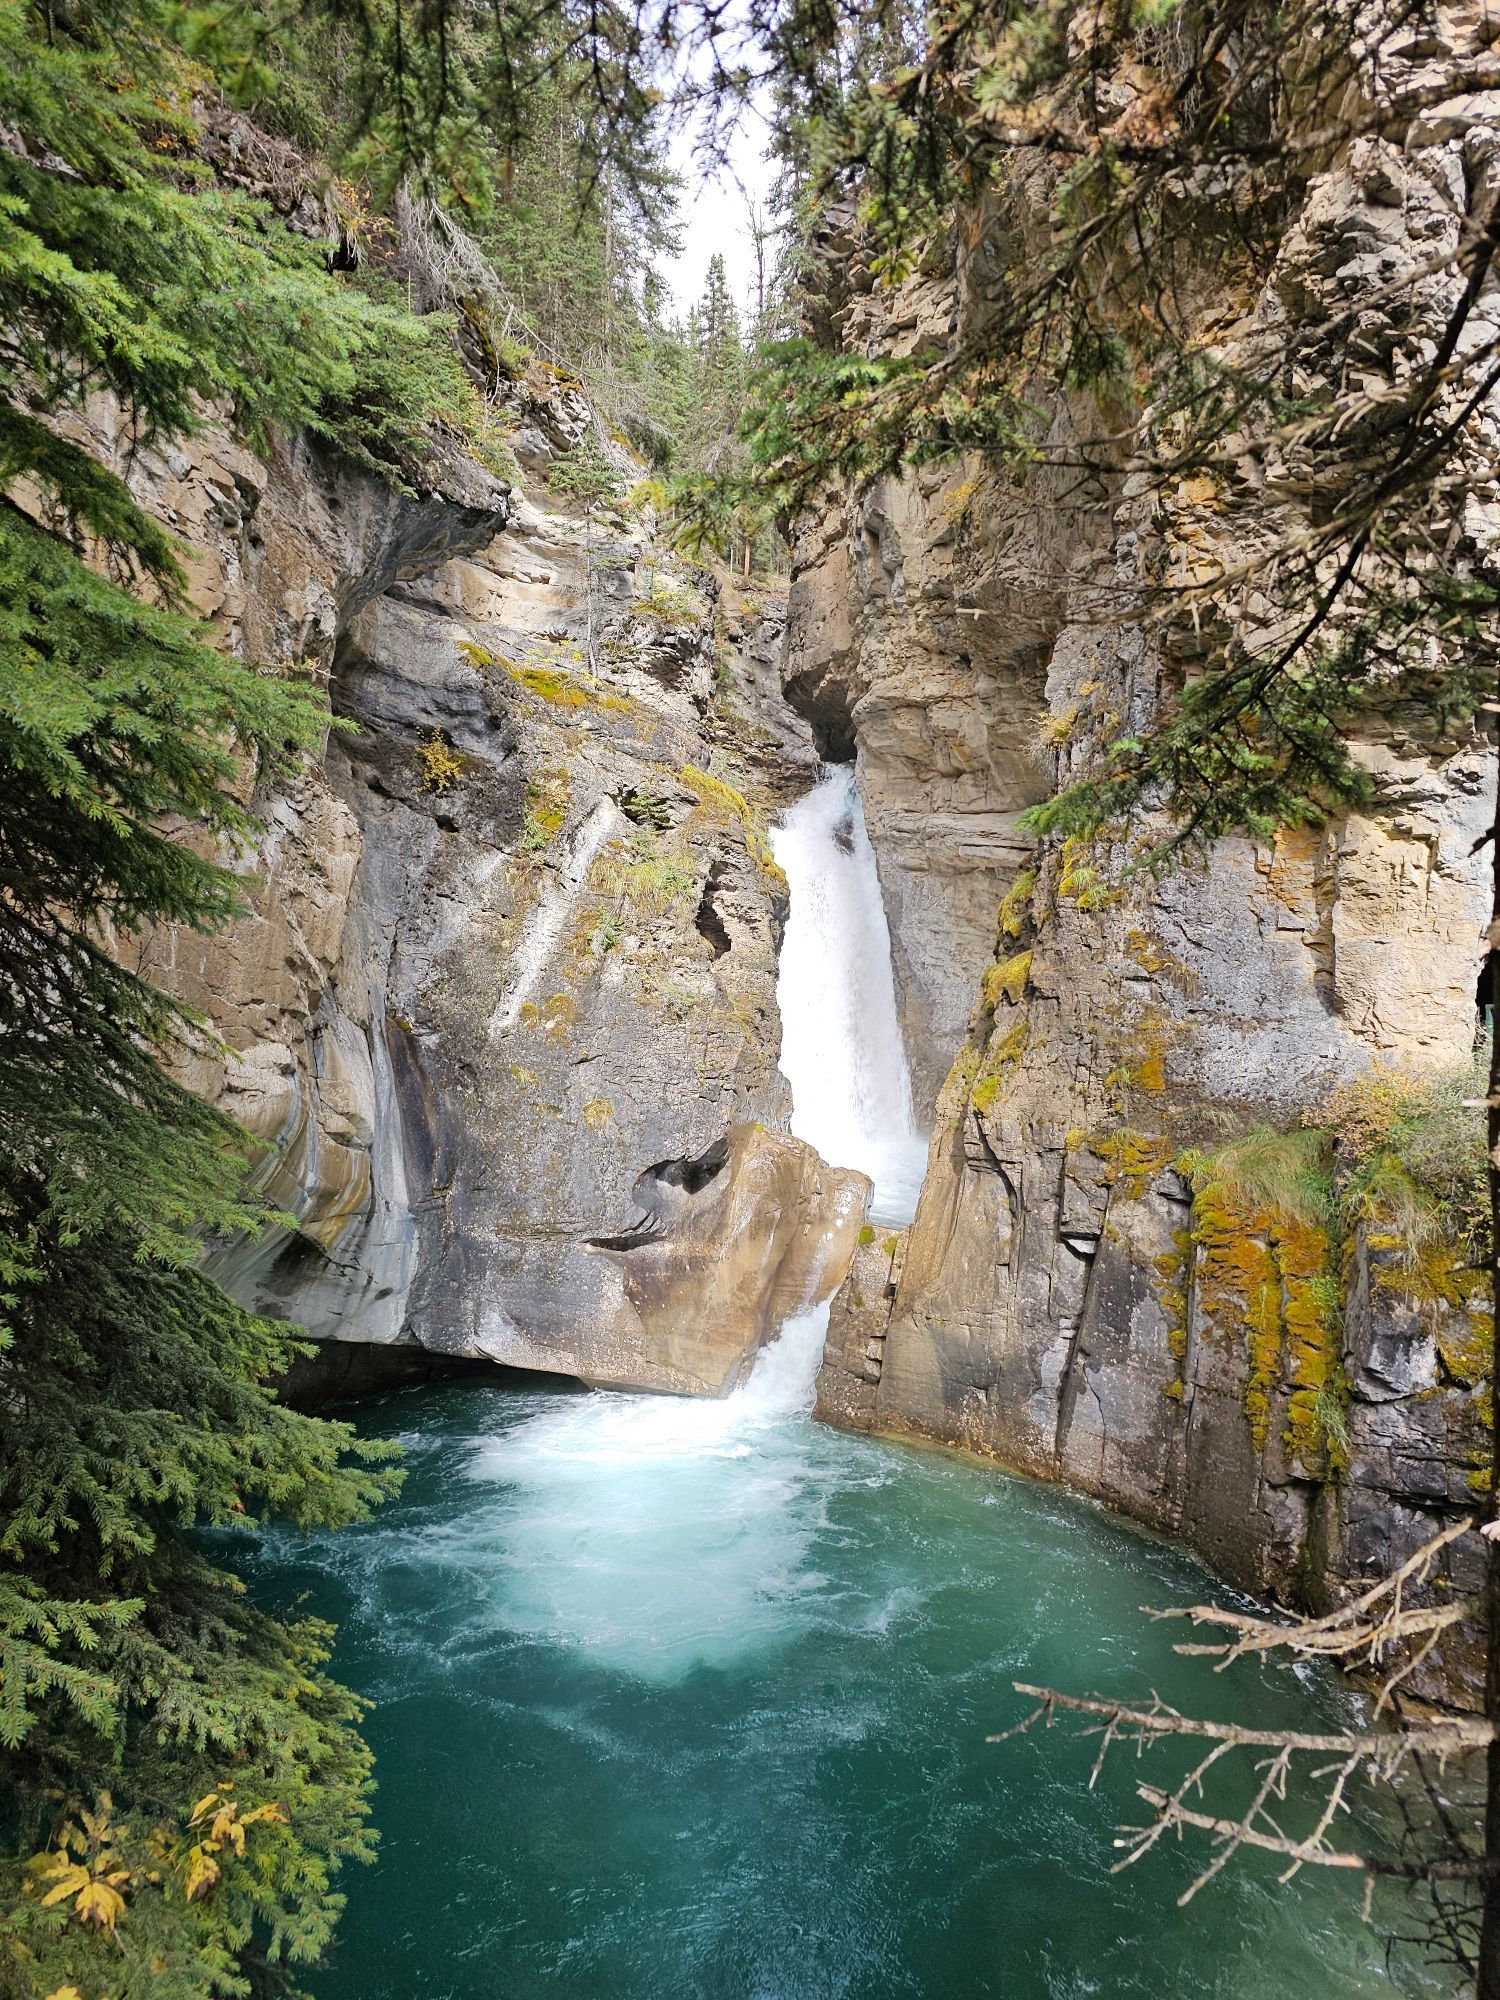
column 841, row 1047
column 658, row 1533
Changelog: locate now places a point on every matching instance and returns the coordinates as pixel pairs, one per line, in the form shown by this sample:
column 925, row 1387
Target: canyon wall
column 501, row 1010
column 1303, row 1410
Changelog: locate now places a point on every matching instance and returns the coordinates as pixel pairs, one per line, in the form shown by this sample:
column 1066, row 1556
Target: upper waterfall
column 841, row 1047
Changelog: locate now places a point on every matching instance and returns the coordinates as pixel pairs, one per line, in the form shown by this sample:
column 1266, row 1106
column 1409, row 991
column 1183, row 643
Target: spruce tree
column 182, row 1777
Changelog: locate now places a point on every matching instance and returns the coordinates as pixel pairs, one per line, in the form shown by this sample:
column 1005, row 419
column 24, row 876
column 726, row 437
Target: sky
column 712, row 217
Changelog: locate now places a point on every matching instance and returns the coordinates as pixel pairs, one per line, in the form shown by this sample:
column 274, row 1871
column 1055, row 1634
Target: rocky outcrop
column 1303, row 1410
column 502, row 1006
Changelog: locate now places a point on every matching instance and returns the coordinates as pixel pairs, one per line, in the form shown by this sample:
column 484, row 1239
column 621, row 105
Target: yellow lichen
column 957, row 1083
column 597, row 1113
column 1079, row 881
column 1172, row 1269
column 553, row 684
column 1266, row 1273
column 958, row 500
column 555, row 1016
column 1150, row 1073
column 1153, row 958
column 1055, row 730
column 480, row 656
column 1015, row 904
column 550, row 684
column 1444, row 1278
column 1001, row 1060
column 1006, row 979
column 1311, row 1334
column 723, row 802
column 548, row 797
column 1132, row 1160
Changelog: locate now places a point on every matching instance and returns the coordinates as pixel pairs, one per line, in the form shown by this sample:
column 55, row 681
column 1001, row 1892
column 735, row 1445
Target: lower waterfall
column 841, row 1047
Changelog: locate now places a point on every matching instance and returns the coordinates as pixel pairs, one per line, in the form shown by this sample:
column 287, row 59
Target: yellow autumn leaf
column 65, row 1993
column 269, row 1811
column 69, row 1881
column 208, row 1799
column 47, row 1863
column 99, row 1903
column 203, row 1872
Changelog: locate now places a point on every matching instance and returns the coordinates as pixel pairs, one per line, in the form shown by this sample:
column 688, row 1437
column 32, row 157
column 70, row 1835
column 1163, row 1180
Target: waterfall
column 664, row 1534
column 841, row 1047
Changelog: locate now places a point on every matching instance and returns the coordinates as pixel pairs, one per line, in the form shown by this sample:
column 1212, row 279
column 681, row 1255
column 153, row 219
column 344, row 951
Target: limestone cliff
column 1303, row 1410
column 503, row 1008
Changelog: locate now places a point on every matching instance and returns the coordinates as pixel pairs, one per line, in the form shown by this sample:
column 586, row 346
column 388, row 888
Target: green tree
column 183, row 1778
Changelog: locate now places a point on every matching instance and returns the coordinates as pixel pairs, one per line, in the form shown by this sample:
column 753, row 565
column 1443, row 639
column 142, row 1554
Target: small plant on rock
column 442, row 765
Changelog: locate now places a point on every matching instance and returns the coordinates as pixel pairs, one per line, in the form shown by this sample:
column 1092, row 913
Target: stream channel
column 688, row 1700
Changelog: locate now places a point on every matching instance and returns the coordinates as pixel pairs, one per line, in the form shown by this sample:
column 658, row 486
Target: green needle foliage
column 182, row 1777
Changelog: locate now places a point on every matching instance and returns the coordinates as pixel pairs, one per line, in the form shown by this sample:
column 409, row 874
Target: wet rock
column 1076, row 1029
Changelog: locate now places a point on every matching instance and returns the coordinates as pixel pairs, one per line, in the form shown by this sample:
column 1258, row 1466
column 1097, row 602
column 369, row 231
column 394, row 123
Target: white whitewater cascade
column 664, row 1534
column 841, row 1047
column 658, row 1534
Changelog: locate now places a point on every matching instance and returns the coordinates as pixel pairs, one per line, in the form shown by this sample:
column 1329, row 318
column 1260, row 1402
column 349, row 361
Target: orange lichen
column 1150, row 1072
column 1132, row 1159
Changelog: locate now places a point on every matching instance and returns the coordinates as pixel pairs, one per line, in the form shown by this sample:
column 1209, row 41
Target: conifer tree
column 183, row 1779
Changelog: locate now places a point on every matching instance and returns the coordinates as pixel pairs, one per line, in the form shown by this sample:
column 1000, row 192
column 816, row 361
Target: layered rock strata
column 1303, row 1407
column 502, row 1008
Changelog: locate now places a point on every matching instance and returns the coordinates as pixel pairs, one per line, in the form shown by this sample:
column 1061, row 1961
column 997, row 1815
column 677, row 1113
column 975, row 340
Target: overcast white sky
column 712, row 217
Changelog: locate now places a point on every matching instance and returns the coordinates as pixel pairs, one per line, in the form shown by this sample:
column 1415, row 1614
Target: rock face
column 502, row 1009
column 1064, row 1301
